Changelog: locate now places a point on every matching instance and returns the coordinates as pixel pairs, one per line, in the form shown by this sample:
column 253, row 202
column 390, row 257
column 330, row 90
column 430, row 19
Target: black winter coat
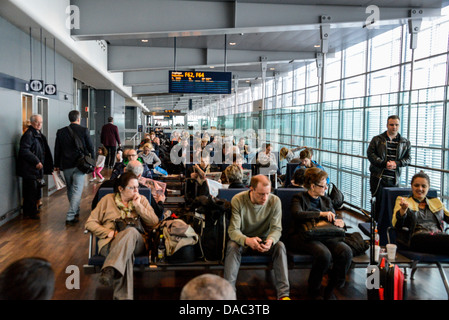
column 66, row 153
column 33, row 149
column 377, row 155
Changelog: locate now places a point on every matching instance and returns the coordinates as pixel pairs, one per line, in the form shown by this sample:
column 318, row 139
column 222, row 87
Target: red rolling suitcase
column 392, row 282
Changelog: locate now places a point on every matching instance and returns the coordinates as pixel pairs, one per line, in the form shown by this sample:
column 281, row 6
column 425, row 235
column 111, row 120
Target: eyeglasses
column 132, row 188
column 132, row 155
column 325, row 186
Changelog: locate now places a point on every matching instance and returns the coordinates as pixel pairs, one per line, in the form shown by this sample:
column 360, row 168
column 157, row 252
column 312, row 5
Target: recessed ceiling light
column 232, row 43
column 317, row 46
column 211, row 67
column 272, row 69
column 144, row 40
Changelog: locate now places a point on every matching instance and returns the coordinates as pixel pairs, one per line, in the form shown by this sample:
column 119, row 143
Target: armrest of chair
column 91, row 242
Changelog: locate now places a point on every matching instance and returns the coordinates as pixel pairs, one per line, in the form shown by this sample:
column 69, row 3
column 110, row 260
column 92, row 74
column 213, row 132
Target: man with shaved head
column 255, row 228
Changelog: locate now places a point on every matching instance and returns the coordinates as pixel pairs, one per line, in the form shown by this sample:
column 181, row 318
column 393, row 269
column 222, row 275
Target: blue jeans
column 75, row 183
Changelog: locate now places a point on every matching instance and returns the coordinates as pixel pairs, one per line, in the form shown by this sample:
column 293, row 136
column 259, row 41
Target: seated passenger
column 289, row 154
column 136, row 167
column 155, row 141
column 266, row 158
column 119, row 248
column 198, row 171
column 146, row 139
column 129, row 155
column 244, row 149
column 234, row 176
column 298, row 179
column 149, row 157
column 314, row 205
column 255, row 227
column 423, row 217
column 305, row 157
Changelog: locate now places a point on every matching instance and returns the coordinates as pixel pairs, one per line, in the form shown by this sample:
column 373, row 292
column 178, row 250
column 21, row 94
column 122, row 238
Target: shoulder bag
column 336, row 196
column 86, row 164
column 321, row 231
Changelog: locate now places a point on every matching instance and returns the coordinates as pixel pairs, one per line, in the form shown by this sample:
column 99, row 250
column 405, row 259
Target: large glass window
column 365, row 83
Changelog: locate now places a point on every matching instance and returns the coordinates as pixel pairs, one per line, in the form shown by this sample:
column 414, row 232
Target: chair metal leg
column 443, row 277
column 414, row 268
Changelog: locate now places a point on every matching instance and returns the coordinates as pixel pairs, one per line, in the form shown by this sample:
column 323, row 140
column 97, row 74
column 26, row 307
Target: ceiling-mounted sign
column 199, row 82
column 36, row 85
column 172, row 111
column 50, row 89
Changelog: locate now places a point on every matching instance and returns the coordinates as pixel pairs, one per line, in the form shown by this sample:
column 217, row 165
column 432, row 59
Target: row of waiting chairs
column 95, row 260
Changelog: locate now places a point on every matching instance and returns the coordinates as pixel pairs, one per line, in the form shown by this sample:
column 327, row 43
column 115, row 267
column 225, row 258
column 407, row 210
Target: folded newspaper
column 157, row 187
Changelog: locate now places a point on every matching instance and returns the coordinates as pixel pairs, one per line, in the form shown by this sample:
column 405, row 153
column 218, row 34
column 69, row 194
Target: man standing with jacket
column 66, row 158
column 387, row 153
column 34, row 160
column 110, row 138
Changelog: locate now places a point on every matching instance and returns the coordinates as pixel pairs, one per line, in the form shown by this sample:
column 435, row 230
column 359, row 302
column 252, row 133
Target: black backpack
column 210, row 220
column 193, row 190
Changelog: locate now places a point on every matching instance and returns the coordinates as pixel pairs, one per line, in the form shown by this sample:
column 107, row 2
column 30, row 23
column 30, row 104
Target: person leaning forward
column 255, row 228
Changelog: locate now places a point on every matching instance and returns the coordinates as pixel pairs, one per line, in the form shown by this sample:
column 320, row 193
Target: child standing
column 101, row 157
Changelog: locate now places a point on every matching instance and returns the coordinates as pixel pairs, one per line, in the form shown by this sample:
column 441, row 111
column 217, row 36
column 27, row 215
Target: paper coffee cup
column 391, row 251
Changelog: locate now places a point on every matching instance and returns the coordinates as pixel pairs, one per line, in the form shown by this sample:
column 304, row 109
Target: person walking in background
column 101, row 157
column 34, row 160
column 66, row 158
column 110, row 138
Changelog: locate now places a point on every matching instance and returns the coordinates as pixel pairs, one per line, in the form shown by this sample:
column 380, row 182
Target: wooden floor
column 68, row 246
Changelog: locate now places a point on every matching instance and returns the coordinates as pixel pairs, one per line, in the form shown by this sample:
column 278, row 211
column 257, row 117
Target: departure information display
column 199, row 82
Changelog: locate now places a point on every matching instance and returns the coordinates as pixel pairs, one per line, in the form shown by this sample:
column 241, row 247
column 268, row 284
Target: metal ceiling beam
column 168, row 18
column 124, row 58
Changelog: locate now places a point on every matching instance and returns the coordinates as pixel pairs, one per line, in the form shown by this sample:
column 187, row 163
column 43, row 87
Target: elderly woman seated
column 120, row 247
column 419, row 219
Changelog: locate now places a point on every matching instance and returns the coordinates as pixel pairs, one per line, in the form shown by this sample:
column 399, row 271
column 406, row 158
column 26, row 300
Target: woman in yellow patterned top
column 423, row 219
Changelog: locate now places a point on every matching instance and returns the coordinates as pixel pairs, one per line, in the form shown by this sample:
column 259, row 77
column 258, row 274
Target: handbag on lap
column 321, row 231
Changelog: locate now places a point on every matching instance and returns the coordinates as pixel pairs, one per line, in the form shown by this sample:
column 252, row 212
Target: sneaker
column 101, row 180
column 71, row 222
column 107, row 276
column 92, row 180
column 285, row 298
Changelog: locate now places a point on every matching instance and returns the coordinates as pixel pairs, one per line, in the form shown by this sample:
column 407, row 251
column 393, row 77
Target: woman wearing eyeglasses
column 423, row 217
column 313, row 205
column 119, row 248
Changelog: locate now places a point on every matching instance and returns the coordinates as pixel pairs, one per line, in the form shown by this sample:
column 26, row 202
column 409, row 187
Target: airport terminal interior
column 277, row 75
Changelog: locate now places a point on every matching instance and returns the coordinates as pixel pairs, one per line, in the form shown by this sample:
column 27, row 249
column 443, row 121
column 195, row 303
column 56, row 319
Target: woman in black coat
column 34, row 160
column 313, row 205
